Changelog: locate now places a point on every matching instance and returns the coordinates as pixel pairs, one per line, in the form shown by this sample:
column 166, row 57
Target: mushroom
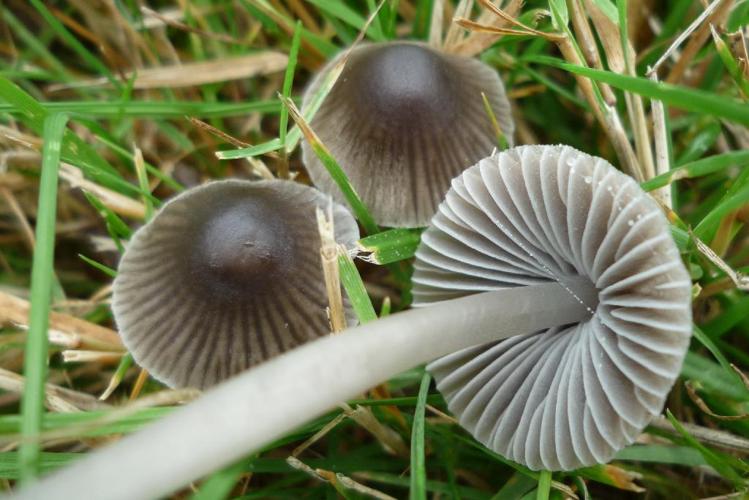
column 402, row 120
column 544, row 244
column 574, row 394
column 225, row 276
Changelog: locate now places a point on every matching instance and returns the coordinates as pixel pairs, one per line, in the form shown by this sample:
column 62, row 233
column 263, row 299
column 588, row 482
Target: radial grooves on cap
column 399, row 165
column 188, row 332
column 573, row 395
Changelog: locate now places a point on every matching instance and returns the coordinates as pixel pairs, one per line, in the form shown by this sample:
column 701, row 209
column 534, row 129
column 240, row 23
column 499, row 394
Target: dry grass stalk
column 435, row 28
column 390, row 440
column 700, row 403
column 287, row 25
column 58, row 399
column 712, row 437
column 190, row 29
column 621, row 59
column 337, row 480
column 62, row 339
column 683, row 36
column 739, row 279
column 454, row 32
column 318, row 435
column 171, row 13
column 329, row 80
column 73, row 432
column 308, row 20
column 725, row 233
column 620, row 142
column 588, row 43
column 605, row 114
column 13, row 136
column 349, row 483
column 16, row 311
column 321, row 474
column 660, row 139
column 113, row 57
column 329, row 251
column 23, row 223
column 636, row 112
column 624, row 479
column 257, row 166
column 126, row 37
column 197, row 73
column 118, row 203
column 701, row 35
column 329, row 258
column 510, row 19
column 139, row 383
column 444, row 417
column 477, row 42
column 12, row 180
column 109, row 26
column 83, row 356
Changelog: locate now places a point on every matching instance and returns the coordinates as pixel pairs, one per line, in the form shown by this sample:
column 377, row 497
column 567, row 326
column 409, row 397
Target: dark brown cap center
column 240, row 247
column 400, row 83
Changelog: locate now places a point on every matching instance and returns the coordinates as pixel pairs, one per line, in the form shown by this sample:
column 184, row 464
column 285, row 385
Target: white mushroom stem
column 253, row 409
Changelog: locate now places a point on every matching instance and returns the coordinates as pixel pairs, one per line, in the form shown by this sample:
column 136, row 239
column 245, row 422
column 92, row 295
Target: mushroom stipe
column 577, row 265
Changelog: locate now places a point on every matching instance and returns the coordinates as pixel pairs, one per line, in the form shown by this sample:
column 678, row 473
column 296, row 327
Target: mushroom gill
column 571, row 395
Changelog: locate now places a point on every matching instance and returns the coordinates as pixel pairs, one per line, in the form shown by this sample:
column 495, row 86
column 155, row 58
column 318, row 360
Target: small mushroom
column 552, row 247
column 574, row 394
column 402, row 120
column 227, row 275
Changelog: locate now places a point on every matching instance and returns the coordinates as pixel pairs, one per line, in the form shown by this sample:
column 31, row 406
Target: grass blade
column 35, row 355
column 698, row 168
column 736, row 197
column 74, row 44
column 662, row 453
column 715, row 460
column 97, row 265
column 256, row 150
column 341, row 11
column 392, row 245
column 288, row 80
column 418, row 489
column 355, row 289
column 708, row 343
column 220, row 484
column 154, row 109
column 544, row 485
column 698, row 101
column 360, row 210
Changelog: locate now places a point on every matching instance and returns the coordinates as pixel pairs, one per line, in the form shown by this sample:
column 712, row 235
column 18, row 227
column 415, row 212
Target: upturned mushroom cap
column 572, row 395
column 225, row 276
column 402, row 120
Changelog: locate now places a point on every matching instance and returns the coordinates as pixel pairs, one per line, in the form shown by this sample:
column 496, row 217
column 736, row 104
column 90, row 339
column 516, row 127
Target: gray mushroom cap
column 572, row 395
column 402, row 120
column 225, row 276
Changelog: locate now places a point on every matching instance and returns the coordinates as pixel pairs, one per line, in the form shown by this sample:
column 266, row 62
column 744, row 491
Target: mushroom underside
column 571, row 395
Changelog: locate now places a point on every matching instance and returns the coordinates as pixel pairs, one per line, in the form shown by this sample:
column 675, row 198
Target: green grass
column 418, row 460
column 79, row 236
column 42, row 278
